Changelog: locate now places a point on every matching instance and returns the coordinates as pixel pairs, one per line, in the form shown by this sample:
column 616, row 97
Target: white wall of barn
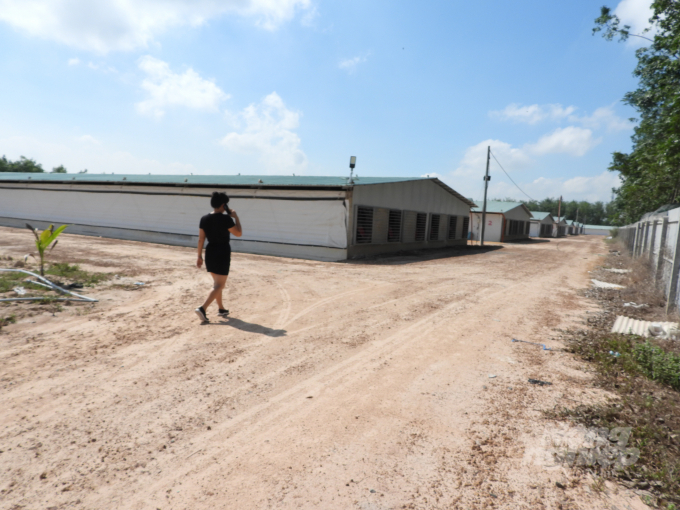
column 419, row 196
column 306, row 218
column 494, row 227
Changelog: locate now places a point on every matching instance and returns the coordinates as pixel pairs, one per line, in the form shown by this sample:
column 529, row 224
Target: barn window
column 394, row 227
column 453, row 222
column 364, row 225
column 466, row 226
column 434, row 227
column 421, row 226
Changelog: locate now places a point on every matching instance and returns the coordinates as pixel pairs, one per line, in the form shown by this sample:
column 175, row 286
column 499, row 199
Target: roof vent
column 124, row 178
column 186, row 180
column 260, row 181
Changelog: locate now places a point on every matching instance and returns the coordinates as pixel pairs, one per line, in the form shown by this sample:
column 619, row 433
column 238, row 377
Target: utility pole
column 486, row 186
column 559, row 217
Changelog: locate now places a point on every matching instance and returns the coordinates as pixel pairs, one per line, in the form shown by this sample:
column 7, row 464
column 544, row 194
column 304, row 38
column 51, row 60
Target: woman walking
column 217, row 227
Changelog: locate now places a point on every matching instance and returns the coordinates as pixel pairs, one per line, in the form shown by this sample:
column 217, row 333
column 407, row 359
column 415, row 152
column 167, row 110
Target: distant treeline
column 589, row 213
column 28, row 165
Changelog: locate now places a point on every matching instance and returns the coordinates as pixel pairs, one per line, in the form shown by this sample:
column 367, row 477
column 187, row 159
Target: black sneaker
column 222, row 312
column 201, row 314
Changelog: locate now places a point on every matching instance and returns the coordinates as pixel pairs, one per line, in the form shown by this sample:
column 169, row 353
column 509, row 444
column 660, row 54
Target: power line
column 506, row 173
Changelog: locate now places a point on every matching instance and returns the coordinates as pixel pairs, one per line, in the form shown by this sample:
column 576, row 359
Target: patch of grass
column 658, row 364
column 4, row 321
column 10, row 280
column 644, row 377
column 73, row 272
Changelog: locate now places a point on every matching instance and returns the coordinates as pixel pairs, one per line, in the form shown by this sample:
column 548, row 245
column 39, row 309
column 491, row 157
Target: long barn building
column 320, row 218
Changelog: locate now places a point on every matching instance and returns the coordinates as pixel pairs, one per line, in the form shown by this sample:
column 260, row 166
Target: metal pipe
column 48, row 299
column 55, row 287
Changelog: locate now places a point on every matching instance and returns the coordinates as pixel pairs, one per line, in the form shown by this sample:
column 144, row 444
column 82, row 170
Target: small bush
column 658, row 364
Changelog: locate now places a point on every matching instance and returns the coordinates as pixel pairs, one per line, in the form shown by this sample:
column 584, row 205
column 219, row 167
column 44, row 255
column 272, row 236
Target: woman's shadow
column 249, row 327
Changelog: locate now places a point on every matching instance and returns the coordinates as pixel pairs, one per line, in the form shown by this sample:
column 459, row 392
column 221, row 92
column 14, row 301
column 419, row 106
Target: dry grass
column 649, row 407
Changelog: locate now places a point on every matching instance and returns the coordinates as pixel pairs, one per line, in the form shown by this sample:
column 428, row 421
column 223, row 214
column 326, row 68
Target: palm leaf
column 35, row 231
column 44, row 237
column 55, row 234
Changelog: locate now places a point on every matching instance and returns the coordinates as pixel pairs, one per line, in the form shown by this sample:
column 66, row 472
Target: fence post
column 652, row 239
column 662, row 249
column 673, row 287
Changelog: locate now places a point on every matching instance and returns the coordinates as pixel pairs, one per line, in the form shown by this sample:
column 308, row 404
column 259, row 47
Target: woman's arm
column 201, row 241
column 236, row 229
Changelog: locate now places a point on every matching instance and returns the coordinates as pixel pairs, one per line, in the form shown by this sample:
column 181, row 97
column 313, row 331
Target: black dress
column 218, row 252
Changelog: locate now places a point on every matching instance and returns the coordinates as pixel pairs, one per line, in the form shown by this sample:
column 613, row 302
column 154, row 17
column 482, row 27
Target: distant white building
column 505, row 221
column 542, row 224
column 562, row 226
column 597, row 230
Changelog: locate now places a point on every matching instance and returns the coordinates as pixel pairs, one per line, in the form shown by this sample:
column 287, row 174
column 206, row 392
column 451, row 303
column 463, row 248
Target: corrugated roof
column 219, row 180
column 246, row 181
column 498, row 206
column 540, row 216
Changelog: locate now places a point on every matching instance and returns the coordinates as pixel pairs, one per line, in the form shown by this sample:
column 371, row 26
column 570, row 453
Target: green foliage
column 22, row 165
column 650, row 174
column 44, row 240
column 588, row 213
column 73, row 272
column 59, row 170
column 658, row 364
column 4, row 321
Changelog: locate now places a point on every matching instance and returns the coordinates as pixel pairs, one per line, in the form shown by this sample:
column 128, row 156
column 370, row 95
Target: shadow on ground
column 409, row 257
column 249, row 327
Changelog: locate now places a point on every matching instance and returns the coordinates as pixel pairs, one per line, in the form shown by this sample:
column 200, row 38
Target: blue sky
column 298, row 86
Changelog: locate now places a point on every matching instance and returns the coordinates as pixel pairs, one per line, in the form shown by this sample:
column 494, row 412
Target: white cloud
column 635, row 13
column 269, row 134
column 88, row 139
column 166, row 88
column 592, row 189
column 108, row 25
column 73, row 61
column 603, row 117
column 474, row 160
column 571, row 140
column 533, row 114
column 350, row 64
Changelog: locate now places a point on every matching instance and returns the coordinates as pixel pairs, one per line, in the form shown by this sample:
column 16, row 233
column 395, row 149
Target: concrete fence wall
column 656, row 239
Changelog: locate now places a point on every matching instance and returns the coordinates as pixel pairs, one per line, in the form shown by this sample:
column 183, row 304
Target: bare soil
column 332, row 385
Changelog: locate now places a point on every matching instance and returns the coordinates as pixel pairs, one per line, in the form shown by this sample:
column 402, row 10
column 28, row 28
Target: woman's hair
column 218, row 199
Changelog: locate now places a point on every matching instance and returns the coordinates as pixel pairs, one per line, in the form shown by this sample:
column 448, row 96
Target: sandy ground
column 333, row 385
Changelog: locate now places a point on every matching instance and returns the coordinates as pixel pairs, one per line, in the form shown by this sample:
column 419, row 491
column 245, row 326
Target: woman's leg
column 219, row 281
column 218, row 298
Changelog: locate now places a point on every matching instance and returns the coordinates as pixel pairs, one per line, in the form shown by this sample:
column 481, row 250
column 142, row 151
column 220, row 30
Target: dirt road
column 333, row 385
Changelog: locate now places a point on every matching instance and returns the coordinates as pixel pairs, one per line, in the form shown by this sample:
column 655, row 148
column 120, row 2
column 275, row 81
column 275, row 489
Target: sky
column 298, row 86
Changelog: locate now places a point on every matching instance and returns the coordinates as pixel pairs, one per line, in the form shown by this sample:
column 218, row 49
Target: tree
column 59, row 170
column 43, row 241
column 650, row 174
column 23, row 165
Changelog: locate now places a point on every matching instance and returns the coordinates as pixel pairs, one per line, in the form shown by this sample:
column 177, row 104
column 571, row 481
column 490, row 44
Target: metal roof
column 497, row 206
column 231, row 181
column 540, row 216
column 608, row 227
